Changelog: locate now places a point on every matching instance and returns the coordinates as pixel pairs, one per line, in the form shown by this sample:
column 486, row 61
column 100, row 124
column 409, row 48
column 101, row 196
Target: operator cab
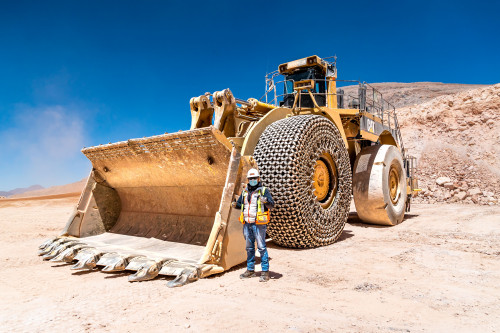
column 311, row 68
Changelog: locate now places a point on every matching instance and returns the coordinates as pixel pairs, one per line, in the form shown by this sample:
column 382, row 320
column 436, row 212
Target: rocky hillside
column 456, row 138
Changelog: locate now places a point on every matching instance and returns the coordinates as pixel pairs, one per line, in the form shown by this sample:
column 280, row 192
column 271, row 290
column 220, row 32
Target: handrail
column 367, row 99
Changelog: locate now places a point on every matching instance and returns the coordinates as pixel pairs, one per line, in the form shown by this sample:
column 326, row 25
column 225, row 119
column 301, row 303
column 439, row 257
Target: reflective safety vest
column 262, row 217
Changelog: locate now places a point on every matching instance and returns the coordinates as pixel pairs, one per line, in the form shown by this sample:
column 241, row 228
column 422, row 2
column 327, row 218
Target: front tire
column 304, row 162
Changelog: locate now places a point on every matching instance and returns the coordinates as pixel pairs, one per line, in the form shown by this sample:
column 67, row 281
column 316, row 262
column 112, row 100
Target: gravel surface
column 438, row 271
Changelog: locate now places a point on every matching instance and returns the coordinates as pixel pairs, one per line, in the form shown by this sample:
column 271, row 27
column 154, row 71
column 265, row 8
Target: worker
column 255, row 203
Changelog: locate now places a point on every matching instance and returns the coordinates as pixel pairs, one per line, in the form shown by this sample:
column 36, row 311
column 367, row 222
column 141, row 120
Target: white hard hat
column 253, row 173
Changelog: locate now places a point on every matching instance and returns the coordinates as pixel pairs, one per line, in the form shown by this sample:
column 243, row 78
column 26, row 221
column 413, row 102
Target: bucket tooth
column 184, row 272
column 52, row 246
column 49, row 248
column 187, row 275
column 113, row 262
column 61, row 248
column 65, row 256
column 136, row 262
column 148, row 271
column 68, row 255
column 87, row 261
column 47, row 243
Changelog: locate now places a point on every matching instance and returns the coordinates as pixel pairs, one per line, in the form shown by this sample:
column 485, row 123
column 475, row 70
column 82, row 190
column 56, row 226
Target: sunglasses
column 252, row 178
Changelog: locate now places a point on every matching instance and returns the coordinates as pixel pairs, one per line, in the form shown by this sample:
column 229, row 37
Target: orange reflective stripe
column 242, row 216
column 262, row 217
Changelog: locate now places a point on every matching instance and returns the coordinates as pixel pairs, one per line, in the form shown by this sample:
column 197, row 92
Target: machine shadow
column 346, row 234
column 115, row 275
column 63, row 264
column 84, row 272
column 354, row 219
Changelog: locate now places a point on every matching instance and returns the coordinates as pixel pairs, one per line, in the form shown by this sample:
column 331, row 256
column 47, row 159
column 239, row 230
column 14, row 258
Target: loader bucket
column 158, row 206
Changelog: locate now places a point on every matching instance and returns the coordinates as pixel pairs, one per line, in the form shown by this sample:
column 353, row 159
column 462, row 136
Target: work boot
column 247, row 274
column 264, row 277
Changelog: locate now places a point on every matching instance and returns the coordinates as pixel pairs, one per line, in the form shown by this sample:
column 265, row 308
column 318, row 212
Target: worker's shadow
column 272, row 275
column 243, row 265
column 275, row 275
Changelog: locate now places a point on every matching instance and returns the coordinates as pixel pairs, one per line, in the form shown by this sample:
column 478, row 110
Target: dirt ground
column 438, row 271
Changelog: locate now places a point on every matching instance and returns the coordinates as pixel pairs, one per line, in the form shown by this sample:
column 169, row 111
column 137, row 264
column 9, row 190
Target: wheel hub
column 321, row 179
column 325, row 180
column 394, row 190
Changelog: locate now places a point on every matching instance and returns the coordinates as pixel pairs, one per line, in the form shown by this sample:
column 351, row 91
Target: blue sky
column 81, row 73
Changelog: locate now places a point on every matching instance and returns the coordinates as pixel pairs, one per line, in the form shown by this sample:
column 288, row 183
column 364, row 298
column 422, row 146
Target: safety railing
column 367, row 98
column 378, row 106
column 275, row 92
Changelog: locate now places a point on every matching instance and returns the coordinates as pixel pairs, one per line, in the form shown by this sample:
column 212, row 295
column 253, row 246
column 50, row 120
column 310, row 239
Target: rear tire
column 291, row 153
column 379, row 185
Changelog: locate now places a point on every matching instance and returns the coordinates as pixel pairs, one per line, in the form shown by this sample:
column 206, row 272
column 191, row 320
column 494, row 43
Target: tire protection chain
column 286, row 155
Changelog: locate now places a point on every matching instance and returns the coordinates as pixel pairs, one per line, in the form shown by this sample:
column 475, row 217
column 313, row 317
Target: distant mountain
column 61, row 189
column 19, row 191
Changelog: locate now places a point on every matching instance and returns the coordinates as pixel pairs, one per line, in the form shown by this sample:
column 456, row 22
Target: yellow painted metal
column 224, row 112
column 300, row 63
column 370, row 116
column 386, row 138
column 394, row 190
column 415, row 191
column 321, row 180
column 254, row 133
column 368, row 136
column 303, row 85
column 348, row 112
column 334, row 116
column 237, row 142
column 332, row 93
column 202, row 112
column 260, row 106
column 351, row 129
column 326, row 175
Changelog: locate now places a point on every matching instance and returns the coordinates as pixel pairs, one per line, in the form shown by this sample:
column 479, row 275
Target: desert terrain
column 438, row 271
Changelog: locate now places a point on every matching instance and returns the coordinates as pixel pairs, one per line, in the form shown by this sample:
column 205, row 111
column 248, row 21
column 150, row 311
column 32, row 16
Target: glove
column 263, row 199
column 233, row 204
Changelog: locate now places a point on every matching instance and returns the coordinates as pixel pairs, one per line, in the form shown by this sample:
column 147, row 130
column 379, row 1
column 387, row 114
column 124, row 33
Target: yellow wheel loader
column 162, row 205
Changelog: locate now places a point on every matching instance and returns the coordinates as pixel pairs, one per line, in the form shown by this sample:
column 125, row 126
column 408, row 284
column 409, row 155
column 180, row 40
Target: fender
column 386, row 138
column 254, row 133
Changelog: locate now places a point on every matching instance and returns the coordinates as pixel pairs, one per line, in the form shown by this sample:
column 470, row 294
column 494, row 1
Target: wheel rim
column 394, row 189
column 325, row 180
column 321, row 180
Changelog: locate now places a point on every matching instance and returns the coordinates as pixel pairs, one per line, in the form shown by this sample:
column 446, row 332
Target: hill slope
column 456, row 136
column 62, row 189
column 20, row 190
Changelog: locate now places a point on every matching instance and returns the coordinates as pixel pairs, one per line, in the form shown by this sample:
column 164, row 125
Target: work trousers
column 256, row 232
